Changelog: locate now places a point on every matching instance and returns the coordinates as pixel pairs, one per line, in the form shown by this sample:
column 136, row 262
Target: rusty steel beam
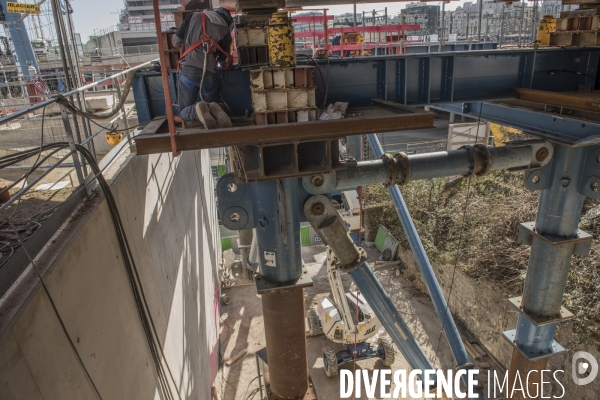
column 151, row 142
column 589, row 101
column 165, row 80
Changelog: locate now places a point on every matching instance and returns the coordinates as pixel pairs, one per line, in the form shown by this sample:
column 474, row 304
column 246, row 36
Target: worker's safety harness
column 209, row 44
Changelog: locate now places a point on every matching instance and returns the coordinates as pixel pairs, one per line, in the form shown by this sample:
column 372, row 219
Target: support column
column 554, row 238
column 278, row 237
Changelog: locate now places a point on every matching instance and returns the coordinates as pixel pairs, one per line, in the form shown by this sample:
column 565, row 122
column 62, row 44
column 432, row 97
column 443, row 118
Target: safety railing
column 125, row 50
column 44, row 176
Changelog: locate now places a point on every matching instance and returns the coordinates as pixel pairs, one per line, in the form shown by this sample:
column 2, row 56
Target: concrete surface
column 242, row 328
column 169, row 214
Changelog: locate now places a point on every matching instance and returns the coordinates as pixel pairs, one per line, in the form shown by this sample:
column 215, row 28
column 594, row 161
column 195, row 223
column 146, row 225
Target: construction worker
column 204, row 39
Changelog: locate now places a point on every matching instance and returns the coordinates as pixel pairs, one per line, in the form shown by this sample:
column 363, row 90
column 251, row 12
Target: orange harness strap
column 205, row 38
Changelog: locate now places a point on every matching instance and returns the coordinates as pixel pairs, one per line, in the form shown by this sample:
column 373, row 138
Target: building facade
column 428, row 16
column 138, row 15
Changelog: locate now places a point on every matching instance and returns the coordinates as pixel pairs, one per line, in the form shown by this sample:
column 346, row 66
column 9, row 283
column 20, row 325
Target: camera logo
column 584, row 363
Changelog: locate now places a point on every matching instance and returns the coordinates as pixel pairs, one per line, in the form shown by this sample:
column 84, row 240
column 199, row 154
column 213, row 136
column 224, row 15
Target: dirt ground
column 242, row 328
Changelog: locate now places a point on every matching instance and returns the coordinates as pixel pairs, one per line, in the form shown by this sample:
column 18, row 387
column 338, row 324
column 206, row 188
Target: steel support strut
column 433, row 287
column 401, row 169
column 554, row 238
column 332, row 230
column 273, row 209
column 279, row 247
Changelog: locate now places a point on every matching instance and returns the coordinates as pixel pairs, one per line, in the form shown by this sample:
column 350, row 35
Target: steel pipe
column 478, row 160
column 283, row 314
column 441, row 307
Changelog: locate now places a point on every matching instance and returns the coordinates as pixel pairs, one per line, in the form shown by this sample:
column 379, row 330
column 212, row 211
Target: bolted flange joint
column 398, row 169
column 480, row 158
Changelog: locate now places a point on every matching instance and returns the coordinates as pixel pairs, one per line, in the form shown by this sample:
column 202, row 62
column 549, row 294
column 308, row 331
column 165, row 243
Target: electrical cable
column 460, row 236
column 33, row 167
column 149, row 327
column 325, row 86
column 62, row 324
column 73, row 109
column 153, row 340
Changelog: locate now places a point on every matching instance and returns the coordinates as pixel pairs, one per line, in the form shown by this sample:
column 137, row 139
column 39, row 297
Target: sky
column 91, row 14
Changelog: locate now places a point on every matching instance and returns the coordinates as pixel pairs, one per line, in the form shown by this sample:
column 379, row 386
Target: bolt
column 232, row 187
column 541, row 154
column 594, row 186
column 535, row 179
column 317, row 180
column 565, row 182
column 235, row 217
column 318, row 209
column 264, row 222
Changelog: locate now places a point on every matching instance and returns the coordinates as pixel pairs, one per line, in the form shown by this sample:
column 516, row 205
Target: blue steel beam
column 558, row 128
column 412, row 79
column 433, row 287
column 17, row 34
column 388, row 314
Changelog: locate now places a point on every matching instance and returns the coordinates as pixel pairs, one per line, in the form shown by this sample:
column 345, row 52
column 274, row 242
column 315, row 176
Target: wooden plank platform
column 155, row 138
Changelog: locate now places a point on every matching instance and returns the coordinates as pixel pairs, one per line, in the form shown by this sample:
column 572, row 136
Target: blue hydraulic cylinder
column 278, row 230
column 17, row 34
column 390, row 318
column 439, row 302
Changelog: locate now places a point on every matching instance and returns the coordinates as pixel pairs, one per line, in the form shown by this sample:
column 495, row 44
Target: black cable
column 33, row 167
column 135, row 281
column 153, row 340
column 62, row 324
column 460, row 236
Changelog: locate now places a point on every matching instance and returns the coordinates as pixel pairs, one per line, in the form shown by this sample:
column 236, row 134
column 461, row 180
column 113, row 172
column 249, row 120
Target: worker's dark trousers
column 188, row 90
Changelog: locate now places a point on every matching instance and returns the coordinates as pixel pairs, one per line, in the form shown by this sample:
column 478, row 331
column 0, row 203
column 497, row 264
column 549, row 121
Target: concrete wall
column 483, row 307
column 169, row 214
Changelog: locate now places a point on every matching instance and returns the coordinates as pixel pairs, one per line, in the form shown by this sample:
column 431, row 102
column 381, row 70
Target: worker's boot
column 204, row 116
column 222, row 118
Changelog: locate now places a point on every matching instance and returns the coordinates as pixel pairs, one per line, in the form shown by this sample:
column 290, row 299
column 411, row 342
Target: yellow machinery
column 280, row 39
column 547, row 25
column 503, row 134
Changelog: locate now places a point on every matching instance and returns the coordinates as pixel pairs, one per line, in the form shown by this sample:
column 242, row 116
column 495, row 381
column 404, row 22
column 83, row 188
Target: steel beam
column 557, row 128
column 456, row 76
column 150, row 142
column 439, row 302
column 388, row 314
